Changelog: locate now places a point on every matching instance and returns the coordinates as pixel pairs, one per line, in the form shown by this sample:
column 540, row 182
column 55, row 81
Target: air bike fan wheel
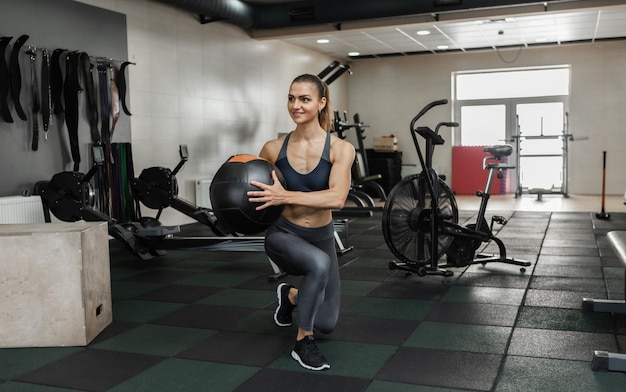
column 406, row 220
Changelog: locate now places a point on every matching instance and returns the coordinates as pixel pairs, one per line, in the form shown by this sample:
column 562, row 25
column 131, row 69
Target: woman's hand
column 269, row 195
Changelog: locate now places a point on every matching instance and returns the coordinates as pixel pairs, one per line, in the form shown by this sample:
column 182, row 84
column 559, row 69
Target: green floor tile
column 400, row 309
column 360, row 360
column 460, row 337
column 217, row 280
column 487, row 295
column 17, row 361
column 256, row 299
column 141, row 340
column 182, row 375
column 523, row 374
column 142, row 311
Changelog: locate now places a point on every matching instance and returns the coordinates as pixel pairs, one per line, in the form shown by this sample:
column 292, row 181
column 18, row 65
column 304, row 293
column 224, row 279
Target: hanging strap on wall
column 46, row 96
column 16, row 75
column 70, row 93
column 115, row 100
column 34, row 86
column 56, row 80
column 121, row 85
column 103, row 88
column 5, row 81
column 92, row 101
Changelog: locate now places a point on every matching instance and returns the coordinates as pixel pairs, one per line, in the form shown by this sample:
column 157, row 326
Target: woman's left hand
column 269, row 195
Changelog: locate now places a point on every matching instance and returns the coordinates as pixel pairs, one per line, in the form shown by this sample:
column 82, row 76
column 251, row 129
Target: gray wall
column 54, row 24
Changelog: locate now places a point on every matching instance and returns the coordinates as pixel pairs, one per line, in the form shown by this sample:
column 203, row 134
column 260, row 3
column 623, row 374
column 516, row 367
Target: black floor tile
column 240, row 349
column 91, row 370
column 272, row 380
column 179, row 293
column 204, row 316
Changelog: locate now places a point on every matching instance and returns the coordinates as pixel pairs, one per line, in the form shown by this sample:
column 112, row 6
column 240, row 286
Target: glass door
column 541, row 160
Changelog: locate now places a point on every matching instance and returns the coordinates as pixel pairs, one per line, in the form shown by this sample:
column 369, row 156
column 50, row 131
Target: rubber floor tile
column 580, row 261
column 488, row 295
column 387, row 386
column 160, row 275
column 13, row 386
column 275, row 380
column 565, row 319
column 204, row 316
column 124, row 289
column 554, row 344
column 474, row 313
column 178, row 293
column 516, row 281
column 214, row 279
column 523, row 374
column 569, row 251
column 567, row 284
column 17, row 361
column 240, row 349
column 142, row 311
column 399, row 309
column 357, row 288
column 460, row 337
column 181, row 375
column 558, row 299
column 372, row 330
column 91, row 370
column 367, row 274
column 255, row 299
column 449, row 369
column 568, row 271
column 141, row 340
column 411, row 289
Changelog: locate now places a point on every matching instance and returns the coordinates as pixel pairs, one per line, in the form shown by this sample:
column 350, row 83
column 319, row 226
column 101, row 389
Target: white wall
column 209, row 86
column 402, row 85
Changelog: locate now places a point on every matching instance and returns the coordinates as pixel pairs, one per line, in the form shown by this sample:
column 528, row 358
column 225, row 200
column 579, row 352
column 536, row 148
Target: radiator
column 22, row 210
column 203, row 194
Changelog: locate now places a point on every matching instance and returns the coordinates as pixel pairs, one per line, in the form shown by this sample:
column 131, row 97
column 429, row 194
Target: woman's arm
column 334, row 197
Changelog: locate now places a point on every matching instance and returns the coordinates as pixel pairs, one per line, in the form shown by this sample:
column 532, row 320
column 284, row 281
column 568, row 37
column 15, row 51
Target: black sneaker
column 282, row 315
column 307, row 354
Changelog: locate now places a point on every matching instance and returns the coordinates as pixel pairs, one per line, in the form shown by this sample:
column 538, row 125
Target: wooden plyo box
column 55, row 284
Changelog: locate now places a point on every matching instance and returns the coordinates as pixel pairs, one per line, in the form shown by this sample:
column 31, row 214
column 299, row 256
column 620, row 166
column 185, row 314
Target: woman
column 316, row 169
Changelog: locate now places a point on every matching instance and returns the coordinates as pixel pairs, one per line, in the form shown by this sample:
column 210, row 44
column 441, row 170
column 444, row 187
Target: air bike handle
column 427, row 108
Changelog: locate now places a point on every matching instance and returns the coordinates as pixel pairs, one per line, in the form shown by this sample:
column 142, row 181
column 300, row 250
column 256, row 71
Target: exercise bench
column 604, row 360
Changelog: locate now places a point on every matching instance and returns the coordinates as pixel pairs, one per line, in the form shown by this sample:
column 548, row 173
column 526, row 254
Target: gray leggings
column 310, row 253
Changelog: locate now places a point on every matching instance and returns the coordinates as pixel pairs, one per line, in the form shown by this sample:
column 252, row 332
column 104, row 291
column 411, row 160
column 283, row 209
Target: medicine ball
column 229, row 197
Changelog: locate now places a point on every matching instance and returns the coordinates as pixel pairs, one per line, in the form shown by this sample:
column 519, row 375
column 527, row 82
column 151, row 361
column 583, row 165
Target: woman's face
column 304, row 103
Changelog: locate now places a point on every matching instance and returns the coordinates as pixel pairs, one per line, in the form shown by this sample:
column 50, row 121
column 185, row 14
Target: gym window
column 485, row 101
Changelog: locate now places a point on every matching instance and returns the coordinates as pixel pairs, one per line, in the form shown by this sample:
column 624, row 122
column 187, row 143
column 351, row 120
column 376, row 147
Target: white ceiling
column 465, row 30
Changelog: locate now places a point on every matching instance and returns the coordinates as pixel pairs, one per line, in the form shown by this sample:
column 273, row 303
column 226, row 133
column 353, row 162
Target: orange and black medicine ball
column 229, row 194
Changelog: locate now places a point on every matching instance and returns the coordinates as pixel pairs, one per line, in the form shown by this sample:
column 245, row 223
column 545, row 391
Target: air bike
column 70, row 197
column 420, row 217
